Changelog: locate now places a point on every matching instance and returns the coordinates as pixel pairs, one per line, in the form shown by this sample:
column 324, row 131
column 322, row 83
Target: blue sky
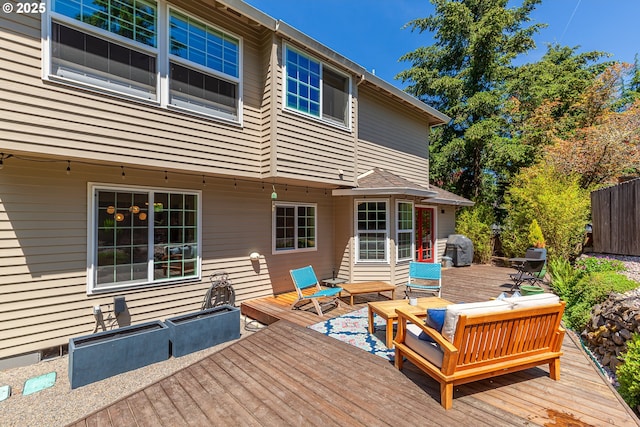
column 370, row 33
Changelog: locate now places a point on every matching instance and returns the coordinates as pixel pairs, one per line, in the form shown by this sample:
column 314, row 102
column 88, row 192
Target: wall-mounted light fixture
column 254, row 256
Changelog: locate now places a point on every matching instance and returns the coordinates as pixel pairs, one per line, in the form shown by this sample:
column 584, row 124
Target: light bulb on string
column 3, row 158
column 204, row 183
column 166, row 177
column 68, row 167
column 123, row 174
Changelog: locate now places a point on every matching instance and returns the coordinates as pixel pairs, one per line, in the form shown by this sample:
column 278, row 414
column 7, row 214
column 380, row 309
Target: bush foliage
column 563, row 277
column 588, row 265
column 475, row 223
column 555, row 201
column 628, row 373
column 592, row 289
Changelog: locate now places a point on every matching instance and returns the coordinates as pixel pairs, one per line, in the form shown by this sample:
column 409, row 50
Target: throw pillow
column 435, row 320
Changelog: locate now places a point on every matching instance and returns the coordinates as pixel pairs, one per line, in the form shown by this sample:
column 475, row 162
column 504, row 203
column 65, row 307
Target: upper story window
column 315, row 89
column 204, row 67
column 118, row 51
column 294, row 227
column 372, row 230
column 132, row 19
column 142, row 236
column 117, row 46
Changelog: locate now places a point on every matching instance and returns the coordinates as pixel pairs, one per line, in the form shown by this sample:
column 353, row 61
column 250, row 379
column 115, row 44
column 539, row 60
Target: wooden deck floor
column 290, row 375
column 463, row 284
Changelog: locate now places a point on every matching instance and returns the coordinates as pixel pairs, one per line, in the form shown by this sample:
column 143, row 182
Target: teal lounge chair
column 424, row 277
column 304, row 278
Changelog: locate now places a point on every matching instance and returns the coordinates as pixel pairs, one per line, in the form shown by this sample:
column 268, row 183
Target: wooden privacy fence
column 616, row 219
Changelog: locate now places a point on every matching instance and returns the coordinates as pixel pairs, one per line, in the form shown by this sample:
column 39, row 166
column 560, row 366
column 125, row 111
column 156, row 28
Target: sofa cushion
column 435, row 320
column 533, row 300
column 428, row 350
column 454, row 311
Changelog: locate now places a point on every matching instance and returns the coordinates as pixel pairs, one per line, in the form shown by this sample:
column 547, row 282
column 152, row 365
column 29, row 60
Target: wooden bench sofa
column 483, row 340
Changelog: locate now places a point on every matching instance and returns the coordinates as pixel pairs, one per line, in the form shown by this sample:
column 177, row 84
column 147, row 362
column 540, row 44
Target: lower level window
column 143, row 236
column 294, row 227
column 371, row 231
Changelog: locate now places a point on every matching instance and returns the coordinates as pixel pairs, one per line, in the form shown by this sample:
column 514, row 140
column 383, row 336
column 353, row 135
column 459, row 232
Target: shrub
column 556, row 201
column 563, row 277
column 588, row 265
column 475, row 223
column 592, row 289
column 628, row 373
column 536, row 239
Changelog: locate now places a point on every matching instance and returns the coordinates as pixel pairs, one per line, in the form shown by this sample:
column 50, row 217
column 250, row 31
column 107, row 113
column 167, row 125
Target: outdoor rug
column 353, row 328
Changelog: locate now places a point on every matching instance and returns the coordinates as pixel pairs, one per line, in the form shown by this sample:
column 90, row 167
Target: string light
column 235, row 184
column 204, row 183
column 4, row 156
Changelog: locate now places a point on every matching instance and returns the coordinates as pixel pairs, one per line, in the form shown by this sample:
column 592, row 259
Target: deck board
column 287, row 374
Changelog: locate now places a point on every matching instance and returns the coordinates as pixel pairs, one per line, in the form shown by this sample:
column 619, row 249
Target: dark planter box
column 102, row 355
column 203, row 329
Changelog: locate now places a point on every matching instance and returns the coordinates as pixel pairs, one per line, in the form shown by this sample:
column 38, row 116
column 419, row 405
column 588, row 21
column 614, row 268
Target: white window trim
column 357, row 233
column 321, row 119
column 398, row 231
column 274, row 251
column 92, row 231
column 160, row 52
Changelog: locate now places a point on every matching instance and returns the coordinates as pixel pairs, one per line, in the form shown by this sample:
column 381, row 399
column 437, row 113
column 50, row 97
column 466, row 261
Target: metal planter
column 104, row 354
column 203, row 329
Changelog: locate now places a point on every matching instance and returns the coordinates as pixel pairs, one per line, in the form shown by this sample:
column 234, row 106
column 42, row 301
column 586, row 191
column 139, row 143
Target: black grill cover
column 460, row 249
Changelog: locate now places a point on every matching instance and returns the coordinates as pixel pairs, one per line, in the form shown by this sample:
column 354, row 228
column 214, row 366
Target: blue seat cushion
column 435, row 320
column 326, row 292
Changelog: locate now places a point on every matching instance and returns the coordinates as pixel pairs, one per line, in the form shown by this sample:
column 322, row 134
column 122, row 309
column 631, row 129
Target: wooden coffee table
column 387, row 310
column 367, row 288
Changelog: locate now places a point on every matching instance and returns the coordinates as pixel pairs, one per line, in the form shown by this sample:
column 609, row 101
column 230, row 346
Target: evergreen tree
column 463, row 75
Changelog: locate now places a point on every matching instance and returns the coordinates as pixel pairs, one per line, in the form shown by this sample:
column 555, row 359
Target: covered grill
column 460, row 249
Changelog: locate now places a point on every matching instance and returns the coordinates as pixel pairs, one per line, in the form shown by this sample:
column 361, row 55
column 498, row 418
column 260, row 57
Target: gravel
column 60, row 405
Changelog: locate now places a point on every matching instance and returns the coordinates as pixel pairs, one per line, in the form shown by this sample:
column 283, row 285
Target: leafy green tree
column 463, row 75
column 556, row 201
column 544, row 93
column 631, row 85
column 606, row 136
